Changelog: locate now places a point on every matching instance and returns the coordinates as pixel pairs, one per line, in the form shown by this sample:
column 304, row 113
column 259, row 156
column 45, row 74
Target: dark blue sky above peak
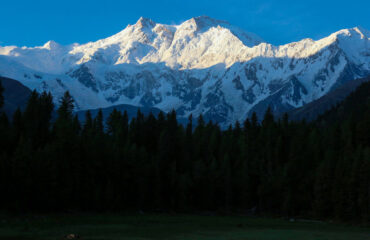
column 32, row 23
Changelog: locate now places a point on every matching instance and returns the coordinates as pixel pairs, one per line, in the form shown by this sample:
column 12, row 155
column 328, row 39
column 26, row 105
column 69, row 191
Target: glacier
column 201, row 66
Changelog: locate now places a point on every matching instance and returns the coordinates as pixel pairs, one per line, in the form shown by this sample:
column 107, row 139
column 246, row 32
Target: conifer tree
column 114, row 122
column 98, row 123
column 88, row 125
column 281, row 168
column 18, row 127
column 66, row 107
column 1, row 95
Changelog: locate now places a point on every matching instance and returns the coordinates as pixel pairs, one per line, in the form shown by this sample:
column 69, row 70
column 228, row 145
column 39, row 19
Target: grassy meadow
column 181, row 227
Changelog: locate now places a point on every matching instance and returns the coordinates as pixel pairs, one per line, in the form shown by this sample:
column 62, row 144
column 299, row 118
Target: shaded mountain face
column 315, row 108
column 15, row 95
column 354, row 108
column 200, row 66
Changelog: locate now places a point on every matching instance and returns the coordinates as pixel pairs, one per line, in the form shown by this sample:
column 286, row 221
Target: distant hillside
column 355, row 106
column 15, row 95
column 312, row 110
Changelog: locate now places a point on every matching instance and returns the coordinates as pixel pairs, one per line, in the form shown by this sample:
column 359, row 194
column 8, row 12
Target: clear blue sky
column 34, row 22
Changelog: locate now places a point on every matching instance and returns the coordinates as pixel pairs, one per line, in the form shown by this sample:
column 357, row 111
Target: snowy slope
column 200, row 66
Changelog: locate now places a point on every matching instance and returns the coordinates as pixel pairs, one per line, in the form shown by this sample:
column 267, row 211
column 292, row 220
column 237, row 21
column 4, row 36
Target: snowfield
column 200, row 66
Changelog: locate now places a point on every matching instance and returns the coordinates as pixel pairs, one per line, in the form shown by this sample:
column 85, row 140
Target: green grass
column 181, row 227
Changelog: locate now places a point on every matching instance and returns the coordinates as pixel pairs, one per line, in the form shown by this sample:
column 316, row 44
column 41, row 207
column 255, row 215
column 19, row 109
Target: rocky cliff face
column 200, row 66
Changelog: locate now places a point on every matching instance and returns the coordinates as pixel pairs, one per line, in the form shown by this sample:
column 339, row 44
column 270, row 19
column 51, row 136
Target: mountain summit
column 202, row 65
column 145, row 22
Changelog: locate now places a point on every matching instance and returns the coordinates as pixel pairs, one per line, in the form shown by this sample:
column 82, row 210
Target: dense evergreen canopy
column 1, row 95
column 272, row 167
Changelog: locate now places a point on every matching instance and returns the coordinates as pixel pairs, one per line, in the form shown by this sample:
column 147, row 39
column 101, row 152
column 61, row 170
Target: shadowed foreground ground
column 111, row 227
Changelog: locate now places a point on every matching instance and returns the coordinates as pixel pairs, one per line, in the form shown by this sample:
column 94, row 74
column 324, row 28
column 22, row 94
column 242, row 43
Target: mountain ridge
column 199, row 66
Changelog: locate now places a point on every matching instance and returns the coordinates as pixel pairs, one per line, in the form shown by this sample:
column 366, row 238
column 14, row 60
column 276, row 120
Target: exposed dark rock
column 83, row 75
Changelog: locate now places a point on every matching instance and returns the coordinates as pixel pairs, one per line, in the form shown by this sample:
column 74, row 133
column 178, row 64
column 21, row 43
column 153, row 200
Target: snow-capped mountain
column 200, row 66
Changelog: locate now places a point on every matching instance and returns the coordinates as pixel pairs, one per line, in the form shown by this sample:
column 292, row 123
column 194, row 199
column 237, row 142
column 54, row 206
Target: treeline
column 272, row 167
